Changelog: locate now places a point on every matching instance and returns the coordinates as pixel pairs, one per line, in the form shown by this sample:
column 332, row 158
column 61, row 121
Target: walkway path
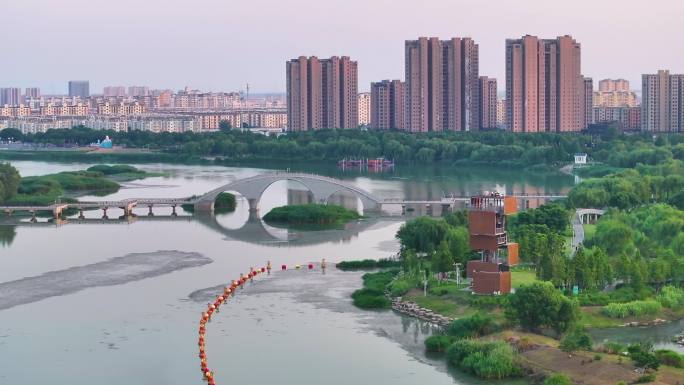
column 577, row 233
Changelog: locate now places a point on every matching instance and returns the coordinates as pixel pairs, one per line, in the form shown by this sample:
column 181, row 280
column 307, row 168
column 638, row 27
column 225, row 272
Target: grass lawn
column 523, row 277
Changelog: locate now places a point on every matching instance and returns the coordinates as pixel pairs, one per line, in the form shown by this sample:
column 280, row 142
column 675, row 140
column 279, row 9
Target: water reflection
column 7, row 234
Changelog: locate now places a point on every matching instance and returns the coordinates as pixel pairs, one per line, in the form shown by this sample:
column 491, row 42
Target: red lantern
column 263, row 269
column 283, row 267
column 310, row 266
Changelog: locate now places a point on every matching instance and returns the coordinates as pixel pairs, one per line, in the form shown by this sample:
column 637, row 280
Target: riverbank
column 453, row 308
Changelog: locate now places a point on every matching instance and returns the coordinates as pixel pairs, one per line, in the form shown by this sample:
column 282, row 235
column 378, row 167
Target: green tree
column 225, row 125
column 9, row 181
column 577, row 338
column 540, row 305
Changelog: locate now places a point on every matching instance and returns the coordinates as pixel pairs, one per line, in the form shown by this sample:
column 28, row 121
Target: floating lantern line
column 221, row 299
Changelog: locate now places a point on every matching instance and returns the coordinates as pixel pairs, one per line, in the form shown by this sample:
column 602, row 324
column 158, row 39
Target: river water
column 117, row 302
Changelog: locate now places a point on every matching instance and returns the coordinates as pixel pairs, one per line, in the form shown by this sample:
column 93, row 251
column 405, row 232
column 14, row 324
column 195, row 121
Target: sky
column 221, row 45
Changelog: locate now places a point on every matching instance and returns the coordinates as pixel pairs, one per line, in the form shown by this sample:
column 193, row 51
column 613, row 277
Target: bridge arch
column 321, row 187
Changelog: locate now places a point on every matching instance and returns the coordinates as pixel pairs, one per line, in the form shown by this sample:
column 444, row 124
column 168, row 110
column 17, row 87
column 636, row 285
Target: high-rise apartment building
column 587, row 101
column 114, row 91
column 387, row 105
column 322, row 93
column 501, row 113
column 364, row 101
column 610, row 85
column 79, row 88
column 488, row 102
column 442, row 85
column 614, row 93
column 544, row 85
column 31, row 93
column 662, row 102
column 10, row 96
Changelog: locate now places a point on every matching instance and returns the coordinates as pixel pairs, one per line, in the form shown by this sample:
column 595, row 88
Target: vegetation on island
column 45, row 190
column 310, row 215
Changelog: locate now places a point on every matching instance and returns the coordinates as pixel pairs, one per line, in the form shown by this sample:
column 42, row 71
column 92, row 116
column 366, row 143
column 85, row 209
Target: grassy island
column 46, row 189
column 311, row 215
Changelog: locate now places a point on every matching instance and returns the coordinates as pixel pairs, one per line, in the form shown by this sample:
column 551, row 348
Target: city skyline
column 242, row 46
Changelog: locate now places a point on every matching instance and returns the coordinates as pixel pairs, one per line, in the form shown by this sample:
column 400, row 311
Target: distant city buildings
column 615, row 93
column 114, row 91
column 387, row 105
column 662, row 102
column 545, row 90
column 488, row 102
column 364, row 101
column 441, row 88
column 79, row 88
column 322, row 93
column 10, row 96
column 31, row 93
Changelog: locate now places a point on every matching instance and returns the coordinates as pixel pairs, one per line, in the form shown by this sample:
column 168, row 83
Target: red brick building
column 487, row 227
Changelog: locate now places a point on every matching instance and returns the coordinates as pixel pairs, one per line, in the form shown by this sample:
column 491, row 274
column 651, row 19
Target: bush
column 367, row 264
column 372, row 296
column 671, row 297
column 642, row 356
column 557, row 379
column 634, row 308
column 598, row 357
column 488, row 360
column 670, row 358
column 438, row 343
column 577, row 338
column 477, row 325
column 370, row 299
column 646, row 378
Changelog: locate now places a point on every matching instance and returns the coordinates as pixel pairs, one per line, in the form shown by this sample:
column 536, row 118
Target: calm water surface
column 292, row 328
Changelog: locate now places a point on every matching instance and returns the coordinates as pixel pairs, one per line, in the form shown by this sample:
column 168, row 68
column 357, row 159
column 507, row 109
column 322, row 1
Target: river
column 109, row 302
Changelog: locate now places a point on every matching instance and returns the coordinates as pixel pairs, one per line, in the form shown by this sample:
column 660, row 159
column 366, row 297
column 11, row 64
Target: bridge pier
column 33, row 216
column 80, row 214
column 403, row 209
column 446, row 208
column 428, row 209
column 104, row 213
column 173, row 211
column 253, row 205
column 57, row 211
column 128, row 209
column 149, row 212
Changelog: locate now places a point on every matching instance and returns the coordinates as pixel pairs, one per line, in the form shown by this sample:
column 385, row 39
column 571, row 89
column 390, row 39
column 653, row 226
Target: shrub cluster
column 488, row 360
column 671, row 297
column 670, row 358
column 477, row 325
column 634, row 308
column 372, row 295
column 368, row 264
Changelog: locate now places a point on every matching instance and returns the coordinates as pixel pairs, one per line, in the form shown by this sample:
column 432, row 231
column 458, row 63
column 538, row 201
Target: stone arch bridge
column 321, row 187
